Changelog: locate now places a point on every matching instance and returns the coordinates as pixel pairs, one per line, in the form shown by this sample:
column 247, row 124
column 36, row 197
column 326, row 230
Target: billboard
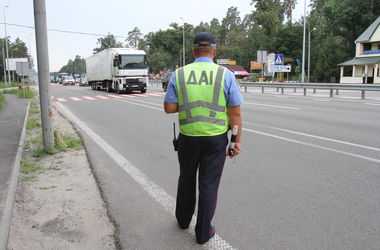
column 11, row 63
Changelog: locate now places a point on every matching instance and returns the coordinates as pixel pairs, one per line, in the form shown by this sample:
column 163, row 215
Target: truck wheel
column 143, row 91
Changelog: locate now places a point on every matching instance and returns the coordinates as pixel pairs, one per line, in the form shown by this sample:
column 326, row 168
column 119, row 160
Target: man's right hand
column 235, row 151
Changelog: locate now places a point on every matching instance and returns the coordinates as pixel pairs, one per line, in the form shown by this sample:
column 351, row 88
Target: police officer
column 208, row 100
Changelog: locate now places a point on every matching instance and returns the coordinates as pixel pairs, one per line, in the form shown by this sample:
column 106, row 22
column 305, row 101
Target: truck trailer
column 118, row 70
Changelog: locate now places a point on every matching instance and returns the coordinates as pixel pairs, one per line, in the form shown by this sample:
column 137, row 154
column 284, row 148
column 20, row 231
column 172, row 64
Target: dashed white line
column 75, row 99
column 102, row 97
column 372, row 104
column 61, row 100
column 89, row 98
column 154, row 190
column 317, row 137
column 313, row 145
column 116, row 96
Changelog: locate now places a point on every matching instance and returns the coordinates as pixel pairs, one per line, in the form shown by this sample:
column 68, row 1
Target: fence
column 281, row 86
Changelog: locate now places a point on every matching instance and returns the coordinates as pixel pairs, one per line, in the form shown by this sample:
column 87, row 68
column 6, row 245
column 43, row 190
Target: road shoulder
column 58, row 204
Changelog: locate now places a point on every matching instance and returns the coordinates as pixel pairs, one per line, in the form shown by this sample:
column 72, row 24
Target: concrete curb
column 5, row 221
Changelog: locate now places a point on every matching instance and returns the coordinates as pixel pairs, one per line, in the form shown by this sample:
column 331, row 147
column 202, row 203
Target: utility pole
column 183, row 43
column 308, row 57
column 6, row 43
column 5, row 72
column 43, row 72
column 304, row 44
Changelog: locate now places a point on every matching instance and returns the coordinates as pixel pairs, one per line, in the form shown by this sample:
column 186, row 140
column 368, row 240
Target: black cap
column 204, row 39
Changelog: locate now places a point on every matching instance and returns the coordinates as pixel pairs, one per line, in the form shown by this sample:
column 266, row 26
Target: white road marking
column 155, row 191
column 149, row 103
column 102, row 97
column 373, row 104
column 61, row 100
column 115, row 96
column 312, row 145
column 88, row 98
column 129, row 96
column 321, row 100
column 140, row 95
column 141, row 104
column 291, row 140
column 272, row 106
column 75, row 99
column 154, row 94
column 318, row 137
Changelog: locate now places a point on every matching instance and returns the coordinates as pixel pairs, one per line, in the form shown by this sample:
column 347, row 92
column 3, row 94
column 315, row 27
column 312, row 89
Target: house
column 365, row 66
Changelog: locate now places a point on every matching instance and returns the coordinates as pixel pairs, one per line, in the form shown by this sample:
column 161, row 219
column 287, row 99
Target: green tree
column 134, row 38
column 76, row 66
column 108, row 41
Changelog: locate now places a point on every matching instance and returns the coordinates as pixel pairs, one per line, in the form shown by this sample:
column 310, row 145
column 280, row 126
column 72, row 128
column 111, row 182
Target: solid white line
column 318, row 137
column 154, row 190
column 75, row 99
column 272, row 106
column 312, row 145
column 61, row 100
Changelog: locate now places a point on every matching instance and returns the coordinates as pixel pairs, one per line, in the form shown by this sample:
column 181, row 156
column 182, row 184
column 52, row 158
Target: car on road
column 83, row 81
column 68, row 80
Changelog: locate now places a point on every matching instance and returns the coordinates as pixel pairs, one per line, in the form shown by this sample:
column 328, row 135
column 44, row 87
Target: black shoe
column 211, row 234
column 183, row 227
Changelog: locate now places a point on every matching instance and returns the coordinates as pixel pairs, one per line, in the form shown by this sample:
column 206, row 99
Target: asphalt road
column 308, row 176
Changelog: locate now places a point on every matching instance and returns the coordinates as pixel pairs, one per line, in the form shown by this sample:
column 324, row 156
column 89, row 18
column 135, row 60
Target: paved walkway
column 11, row 123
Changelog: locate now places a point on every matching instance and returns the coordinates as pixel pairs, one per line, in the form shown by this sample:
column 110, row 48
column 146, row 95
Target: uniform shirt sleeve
column 232, row 90
column 171, row 93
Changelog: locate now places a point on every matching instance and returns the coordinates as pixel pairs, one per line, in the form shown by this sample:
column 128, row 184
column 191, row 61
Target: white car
column 68, row 80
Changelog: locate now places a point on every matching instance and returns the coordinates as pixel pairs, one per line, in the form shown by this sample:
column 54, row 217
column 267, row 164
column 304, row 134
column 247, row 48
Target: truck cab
column 130, row 71
column 118, row 70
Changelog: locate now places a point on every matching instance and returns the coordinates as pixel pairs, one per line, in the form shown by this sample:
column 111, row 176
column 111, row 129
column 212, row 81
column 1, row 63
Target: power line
column 64, row 31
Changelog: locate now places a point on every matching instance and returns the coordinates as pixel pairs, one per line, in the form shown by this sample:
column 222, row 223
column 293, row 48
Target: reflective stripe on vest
column 214, row 106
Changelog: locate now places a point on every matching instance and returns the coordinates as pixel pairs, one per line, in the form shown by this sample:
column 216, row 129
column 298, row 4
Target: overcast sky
column 111, row 16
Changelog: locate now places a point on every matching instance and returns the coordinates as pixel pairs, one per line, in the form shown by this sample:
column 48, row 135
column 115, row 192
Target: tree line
column 334, row 26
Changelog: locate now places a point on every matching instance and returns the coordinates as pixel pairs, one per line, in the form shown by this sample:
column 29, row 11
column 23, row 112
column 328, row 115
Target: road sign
column 282, row 68
column 262, row 56
column 11, row 63
column 279, row 59
column 22, row 68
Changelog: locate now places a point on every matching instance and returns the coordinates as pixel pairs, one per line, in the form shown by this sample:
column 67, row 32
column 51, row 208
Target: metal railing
column 315, row 86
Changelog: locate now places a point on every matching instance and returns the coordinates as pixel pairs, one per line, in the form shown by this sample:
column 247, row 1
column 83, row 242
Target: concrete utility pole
column 5, row 72
column 43, row 72
column 308, row 57
column 304, row 44
column 183, row 43
column 6, row 43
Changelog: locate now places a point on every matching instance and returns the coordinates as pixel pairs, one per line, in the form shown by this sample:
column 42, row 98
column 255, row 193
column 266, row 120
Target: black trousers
column 208, row 155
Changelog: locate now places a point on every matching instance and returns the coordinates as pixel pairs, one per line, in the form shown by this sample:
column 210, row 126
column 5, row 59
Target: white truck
column 118, row 70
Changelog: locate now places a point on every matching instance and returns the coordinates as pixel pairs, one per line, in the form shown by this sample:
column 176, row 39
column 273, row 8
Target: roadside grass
column 2, row 101
column 3, row 85
column 21, row 92
column 26, row 93
column 34, row 151
column 32, row 123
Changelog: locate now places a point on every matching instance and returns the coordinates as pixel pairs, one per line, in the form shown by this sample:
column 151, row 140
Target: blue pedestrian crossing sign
column 279, row 59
